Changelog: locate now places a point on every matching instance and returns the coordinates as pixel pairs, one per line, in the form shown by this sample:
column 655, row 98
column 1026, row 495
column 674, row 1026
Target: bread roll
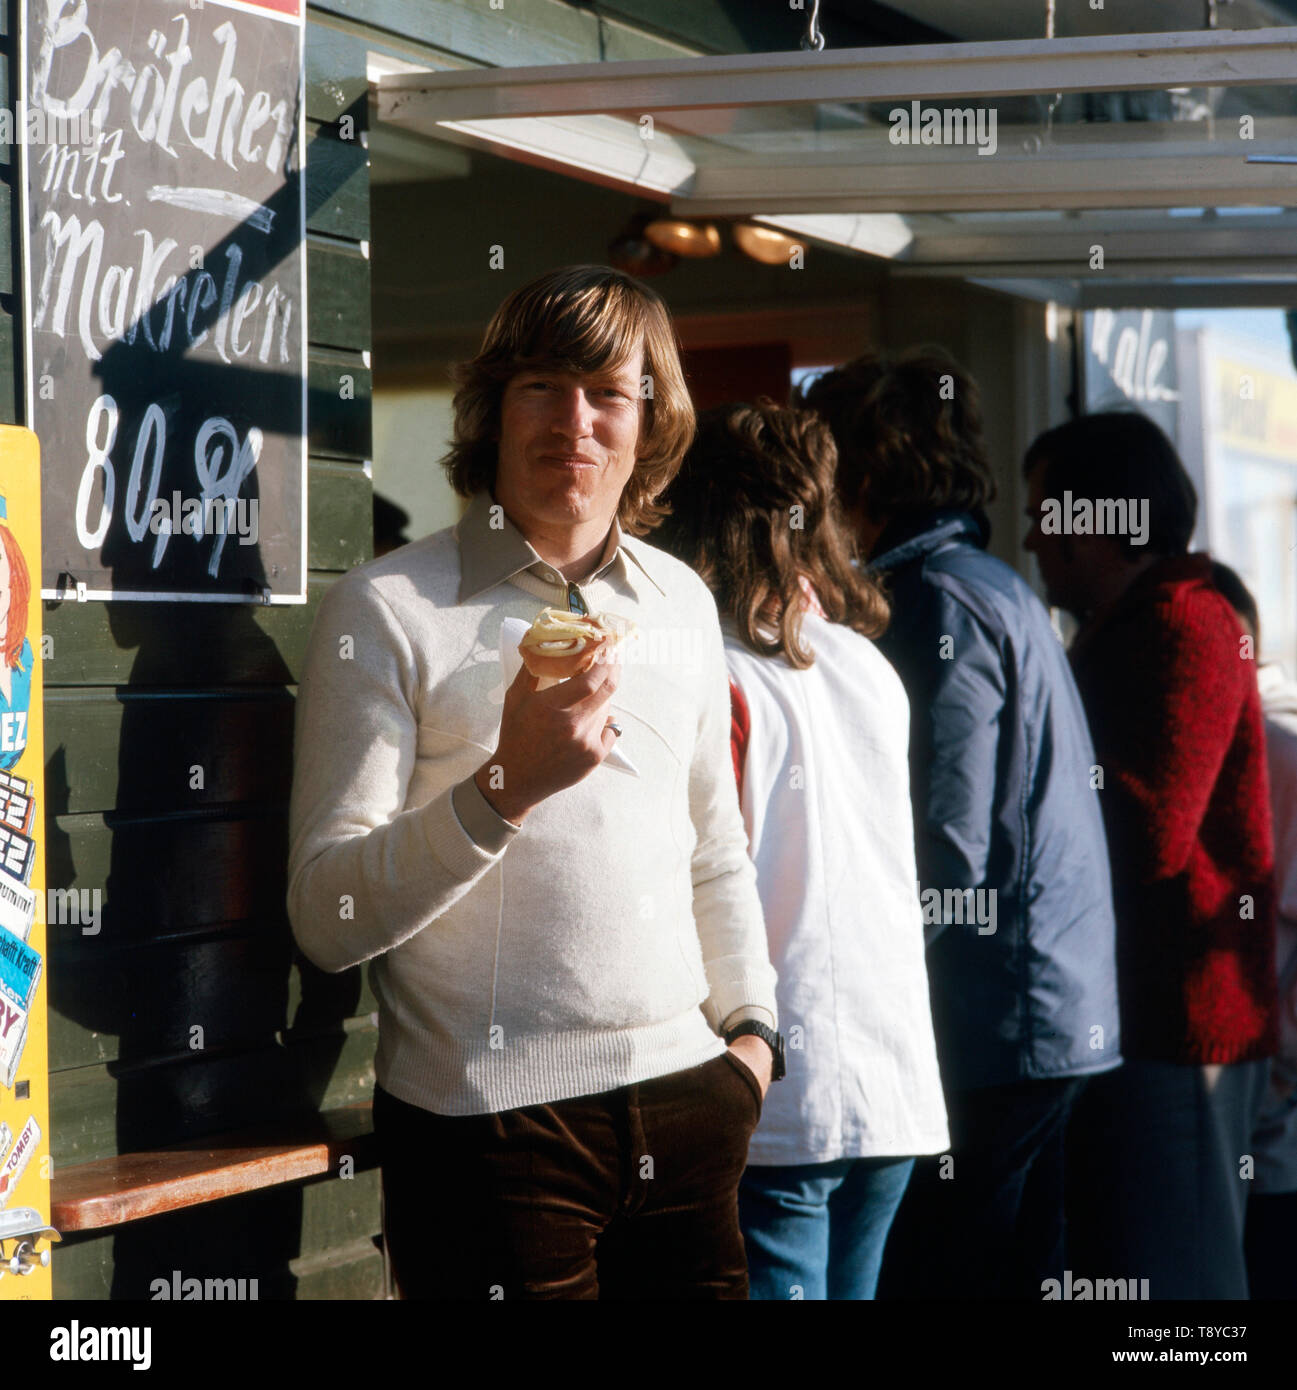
column 560, row 644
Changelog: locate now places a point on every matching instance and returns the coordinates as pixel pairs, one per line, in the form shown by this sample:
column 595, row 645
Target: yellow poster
column 1256, row 410
column 25, row 1235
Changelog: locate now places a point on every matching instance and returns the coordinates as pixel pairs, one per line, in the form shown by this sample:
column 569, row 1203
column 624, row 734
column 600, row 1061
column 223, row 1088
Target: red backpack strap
column 740, row 727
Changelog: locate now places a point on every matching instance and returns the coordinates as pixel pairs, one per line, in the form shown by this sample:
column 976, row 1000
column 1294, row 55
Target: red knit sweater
column 1176, row 719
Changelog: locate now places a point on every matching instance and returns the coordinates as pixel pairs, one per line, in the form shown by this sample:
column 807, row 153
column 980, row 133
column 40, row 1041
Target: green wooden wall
column 194, row 932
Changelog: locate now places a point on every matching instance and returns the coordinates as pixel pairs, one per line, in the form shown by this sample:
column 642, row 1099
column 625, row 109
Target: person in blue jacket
column 1011, row 851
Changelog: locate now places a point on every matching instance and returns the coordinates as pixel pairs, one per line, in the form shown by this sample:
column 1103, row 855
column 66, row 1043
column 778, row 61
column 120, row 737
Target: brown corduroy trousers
column 629, row 1194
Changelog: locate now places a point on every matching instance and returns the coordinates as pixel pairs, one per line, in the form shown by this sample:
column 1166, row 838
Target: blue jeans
column 817, row 1230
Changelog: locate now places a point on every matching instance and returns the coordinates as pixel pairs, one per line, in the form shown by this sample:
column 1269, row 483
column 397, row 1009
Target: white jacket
column 826, row 801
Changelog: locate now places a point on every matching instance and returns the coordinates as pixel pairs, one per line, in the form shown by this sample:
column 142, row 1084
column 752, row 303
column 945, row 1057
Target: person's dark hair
column 1237, row 595
column 753, row 509
column 908, row 428
column 582, row 318
column 1121, row 454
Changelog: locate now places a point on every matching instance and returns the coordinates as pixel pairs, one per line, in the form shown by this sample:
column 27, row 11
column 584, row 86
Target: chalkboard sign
column 165, row 284
column 1130, row 359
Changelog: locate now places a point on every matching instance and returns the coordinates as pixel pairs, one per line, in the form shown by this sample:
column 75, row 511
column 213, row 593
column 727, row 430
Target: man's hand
column 549, row 739
column 758, row 1056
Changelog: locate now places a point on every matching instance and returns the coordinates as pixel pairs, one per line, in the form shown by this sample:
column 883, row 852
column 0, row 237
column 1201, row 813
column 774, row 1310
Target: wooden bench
column 129, row 1187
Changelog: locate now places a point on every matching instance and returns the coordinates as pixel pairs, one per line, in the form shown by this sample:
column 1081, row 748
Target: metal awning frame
column 586, row 120
column 1018, row 67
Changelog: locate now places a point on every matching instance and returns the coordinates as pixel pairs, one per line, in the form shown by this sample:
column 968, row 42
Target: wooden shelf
column 129, row 1187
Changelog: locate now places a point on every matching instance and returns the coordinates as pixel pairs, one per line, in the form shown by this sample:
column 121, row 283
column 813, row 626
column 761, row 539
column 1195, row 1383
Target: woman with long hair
column 821, row 733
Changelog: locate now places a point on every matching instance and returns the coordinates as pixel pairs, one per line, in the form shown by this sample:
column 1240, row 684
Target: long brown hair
column 754, row 508
column 582, row 318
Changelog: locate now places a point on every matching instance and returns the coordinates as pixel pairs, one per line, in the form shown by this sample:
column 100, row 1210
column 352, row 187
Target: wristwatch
column 767, row 1035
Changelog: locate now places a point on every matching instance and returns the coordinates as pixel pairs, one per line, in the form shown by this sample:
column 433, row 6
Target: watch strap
column 767, row 1035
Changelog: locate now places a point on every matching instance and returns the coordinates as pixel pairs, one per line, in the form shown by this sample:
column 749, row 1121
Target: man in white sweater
column 556, row 942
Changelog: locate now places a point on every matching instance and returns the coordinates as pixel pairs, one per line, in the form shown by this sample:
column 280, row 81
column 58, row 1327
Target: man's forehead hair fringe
column 599, row 328
column 590, row 320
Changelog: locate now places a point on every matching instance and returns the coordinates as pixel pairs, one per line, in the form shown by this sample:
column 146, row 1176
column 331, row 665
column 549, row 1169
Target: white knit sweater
column 600, row 944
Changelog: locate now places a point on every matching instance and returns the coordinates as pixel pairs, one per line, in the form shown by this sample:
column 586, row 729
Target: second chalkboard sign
column 166, row 294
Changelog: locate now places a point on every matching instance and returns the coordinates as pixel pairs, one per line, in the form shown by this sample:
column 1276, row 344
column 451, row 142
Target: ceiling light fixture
column 764, row 244
column 680, row 238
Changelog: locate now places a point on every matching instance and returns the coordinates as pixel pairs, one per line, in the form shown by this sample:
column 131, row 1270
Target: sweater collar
column 1170, row 572
column 913, row 537
column 496, row 554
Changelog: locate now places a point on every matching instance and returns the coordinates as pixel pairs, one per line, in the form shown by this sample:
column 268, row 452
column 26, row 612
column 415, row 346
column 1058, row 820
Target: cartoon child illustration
column 16, row 658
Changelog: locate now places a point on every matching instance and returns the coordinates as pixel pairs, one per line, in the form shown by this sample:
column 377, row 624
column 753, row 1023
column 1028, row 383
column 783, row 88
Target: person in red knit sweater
column 1159, row 1158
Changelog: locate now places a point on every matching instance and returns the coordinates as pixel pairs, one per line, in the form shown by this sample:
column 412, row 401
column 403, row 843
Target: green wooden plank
column 98, row 1111
column 12, row 407
column 524, row 32
column 336, row 1211
column 337, row 295
column 9, row 243
column 337, row 183
column 87, row 1028
column 86, row 1024
column 336, row 56
column 352, row 1274
column 6, row 63
column 336, row 80
column 527, row 32
column 82, row 1267
column 239, row 740
column 169, row 874
column 341, row 516
column 188, row 981
column 326, row 1221
column 170, row 644
column 216, row 994
column 339, row 410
